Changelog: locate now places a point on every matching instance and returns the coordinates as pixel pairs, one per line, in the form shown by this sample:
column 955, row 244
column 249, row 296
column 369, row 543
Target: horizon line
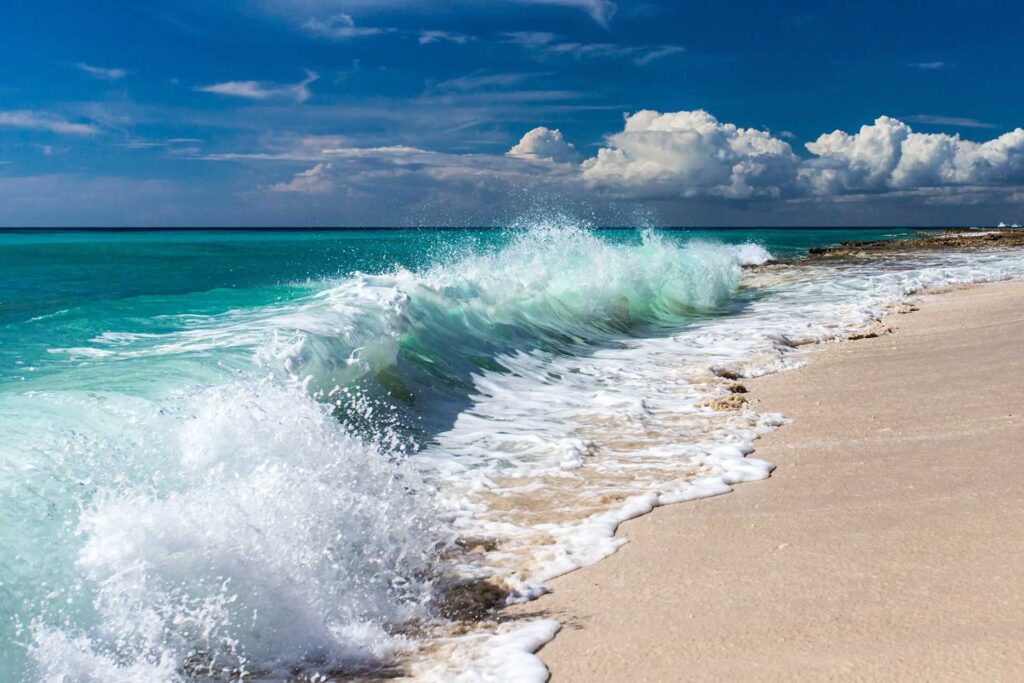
column 341, row 228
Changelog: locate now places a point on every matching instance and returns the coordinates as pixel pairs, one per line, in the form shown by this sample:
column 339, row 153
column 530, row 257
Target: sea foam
column 279, row 541
column 283, row 490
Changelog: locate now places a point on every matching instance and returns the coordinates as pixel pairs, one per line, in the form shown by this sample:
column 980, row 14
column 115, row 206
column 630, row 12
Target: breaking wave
column 256, row 512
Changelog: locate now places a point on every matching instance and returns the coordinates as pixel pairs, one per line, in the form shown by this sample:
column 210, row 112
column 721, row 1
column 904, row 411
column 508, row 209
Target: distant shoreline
column 835, row 228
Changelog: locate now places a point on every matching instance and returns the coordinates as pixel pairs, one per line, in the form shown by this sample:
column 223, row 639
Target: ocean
column 279, row 454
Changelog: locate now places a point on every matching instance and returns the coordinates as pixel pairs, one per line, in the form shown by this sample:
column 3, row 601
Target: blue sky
column 409, row 112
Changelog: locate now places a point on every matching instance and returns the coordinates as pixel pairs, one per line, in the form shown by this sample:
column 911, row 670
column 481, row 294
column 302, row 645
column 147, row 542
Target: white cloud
column 674, row 159
column 315, row 180
column 928, row 160
column 642, row 55
column 401, row 171
column 863, row 161
column 535, row 39
column 287, row 148
column 427, row 37
column 956, row 121
column 549, row 45
column 930, row 66
column 481, row 81
column 654, row 54
column 102, row 73
column 545, row 143
column 35, row 120
column 341, row 27
column 170, row 144
column 261, row 90
column 691, row 153
column 888, row 155
column 600, row 10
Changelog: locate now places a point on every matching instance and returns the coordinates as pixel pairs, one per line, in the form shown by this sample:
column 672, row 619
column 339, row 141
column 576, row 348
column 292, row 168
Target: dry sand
column 889, row 543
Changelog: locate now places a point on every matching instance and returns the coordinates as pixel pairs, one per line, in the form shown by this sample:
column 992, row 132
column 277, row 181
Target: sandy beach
column 888, row 544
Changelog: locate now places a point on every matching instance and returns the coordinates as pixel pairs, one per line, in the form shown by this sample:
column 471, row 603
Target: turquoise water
column 61, row 289
column 176, row 403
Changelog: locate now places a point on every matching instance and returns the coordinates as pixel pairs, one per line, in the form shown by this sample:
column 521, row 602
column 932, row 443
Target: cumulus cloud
column 859, row 162
column 889, row 155
column 261, row 90
column 545, row 143
column 42, row 121
column 691, row 153
column 670, row 158
column 101, row 73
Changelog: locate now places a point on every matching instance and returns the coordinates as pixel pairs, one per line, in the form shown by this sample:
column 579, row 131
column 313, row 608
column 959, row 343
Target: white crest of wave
column 752, row 254
column 562, row 266
column 552, row 276
column 284, row 541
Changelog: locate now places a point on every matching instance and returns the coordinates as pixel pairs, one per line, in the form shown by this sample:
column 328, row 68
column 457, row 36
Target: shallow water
column 230, row 452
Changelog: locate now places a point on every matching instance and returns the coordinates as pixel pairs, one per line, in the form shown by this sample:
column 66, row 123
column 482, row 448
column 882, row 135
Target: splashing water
column 271, row 480
column 246, row 504
column 265, row 537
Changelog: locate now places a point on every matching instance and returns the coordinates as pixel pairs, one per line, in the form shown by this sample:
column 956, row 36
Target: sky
column 485, row 112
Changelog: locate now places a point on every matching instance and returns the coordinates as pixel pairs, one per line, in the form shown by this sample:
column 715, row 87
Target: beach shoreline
column 887, row 544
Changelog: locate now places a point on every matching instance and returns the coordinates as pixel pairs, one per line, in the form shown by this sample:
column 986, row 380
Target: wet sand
column 888, row 544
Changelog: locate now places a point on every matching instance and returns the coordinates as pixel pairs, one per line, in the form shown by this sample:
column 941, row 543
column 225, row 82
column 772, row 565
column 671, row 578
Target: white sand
column 888, row 545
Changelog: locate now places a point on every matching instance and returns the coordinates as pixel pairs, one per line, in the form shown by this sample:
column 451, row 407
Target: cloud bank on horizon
column 407, row 112
column 689, row 154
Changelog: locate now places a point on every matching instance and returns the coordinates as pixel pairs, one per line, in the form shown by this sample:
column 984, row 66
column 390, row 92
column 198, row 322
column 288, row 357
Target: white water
column 241, row 521
column 275, row 539
column 647, row 392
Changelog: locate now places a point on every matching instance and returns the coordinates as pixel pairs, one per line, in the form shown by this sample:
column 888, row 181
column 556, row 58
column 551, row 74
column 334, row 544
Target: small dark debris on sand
column 903, row 308
column 870, row 334
column 726, row 373
column 477, row 544
column 472, row 599
column 729, row 402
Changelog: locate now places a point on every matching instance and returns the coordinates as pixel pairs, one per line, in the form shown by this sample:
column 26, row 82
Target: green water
column 61, row 288
column 145, row 374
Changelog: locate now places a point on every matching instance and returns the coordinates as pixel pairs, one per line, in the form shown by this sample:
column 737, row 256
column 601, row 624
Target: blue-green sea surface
column 204, row 435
